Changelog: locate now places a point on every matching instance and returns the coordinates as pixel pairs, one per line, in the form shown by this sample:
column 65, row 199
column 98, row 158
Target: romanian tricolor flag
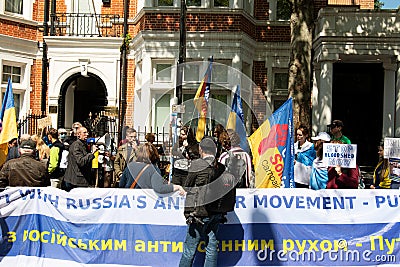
column 8, row 121
column 273, row 150
column 201, row 102
column 236, row 120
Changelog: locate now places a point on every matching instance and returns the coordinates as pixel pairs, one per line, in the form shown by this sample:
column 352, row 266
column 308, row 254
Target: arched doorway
column 78, row 97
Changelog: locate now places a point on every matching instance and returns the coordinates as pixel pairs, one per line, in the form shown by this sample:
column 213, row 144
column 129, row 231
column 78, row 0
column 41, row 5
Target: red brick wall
column 130, row 93
column 261, row 9
column 213, row 23
column 36, row 84
column 260, row 79
column 363, row 4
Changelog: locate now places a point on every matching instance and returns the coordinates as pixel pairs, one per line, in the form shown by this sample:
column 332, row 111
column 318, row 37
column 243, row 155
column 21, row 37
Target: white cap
column 322, row 136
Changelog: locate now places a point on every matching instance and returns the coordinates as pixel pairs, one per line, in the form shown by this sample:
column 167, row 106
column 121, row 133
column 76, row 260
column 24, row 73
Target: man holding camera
column 202, row 216
column 79, row 169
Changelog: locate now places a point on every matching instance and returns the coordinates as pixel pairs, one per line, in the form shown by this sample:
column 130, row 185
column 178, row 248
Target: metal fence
column 29, row 124
column 86, row 24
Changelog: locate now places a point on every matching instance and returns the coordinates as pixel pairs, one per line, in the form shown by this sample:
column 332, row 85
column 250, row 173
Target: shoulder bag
column 138, row 176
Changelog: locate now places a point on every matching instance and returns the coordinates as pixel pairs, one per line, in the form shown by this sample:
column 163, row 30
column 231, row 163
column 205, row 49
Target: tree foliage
column 378, row 4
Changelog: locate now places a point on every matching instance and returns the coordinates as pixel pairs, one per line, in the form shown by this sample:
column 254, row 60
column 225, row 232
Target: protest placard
column 344, row 155
column 391, row 148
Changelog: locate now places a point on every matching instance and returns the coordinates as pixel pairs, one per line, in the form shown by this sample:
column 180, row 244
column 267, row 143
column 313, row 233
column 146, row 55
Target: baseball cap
column 28, row 144
column 322, row 136
column 336, row 123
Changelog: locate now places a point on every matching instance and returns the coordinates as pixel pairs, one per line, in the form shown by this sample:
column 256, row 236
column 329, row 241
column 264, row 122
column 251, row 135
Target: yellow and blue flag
column 201, row 102
column 236, row 120
column 273, row 150
column 8, row 122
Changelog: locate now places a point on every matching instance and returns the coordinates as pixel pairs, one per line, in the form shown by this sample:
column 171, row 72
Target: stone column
column 389, row 102
column 322, row 96
column 142, row 106
column 397, row 94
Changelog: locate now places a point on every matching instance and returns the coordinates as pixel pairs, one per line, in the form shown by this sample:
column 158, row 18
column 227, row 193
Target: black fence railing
column 29, row 124
column 86, row 24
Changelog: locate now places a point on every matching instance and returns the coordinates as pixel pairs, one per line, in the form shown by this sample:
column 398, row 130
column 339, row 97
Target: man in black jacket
column 200, row 212
column 79, row 169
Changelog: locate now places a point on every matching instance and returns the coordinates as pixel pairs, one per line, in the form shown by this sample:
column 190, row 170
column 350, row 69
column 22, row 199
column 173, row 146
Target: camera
column 193, row 219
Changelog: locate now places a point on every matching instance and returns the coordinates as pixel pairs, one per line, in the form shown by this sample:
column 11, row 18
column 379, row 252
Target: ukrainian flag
column 8, row 121
column 236, row 120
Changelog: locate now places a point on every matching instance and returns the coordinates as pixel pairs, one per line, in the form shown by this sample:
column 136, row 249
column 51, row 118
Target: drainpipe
column 52, row 17
column 124, row 70
column 44, row 57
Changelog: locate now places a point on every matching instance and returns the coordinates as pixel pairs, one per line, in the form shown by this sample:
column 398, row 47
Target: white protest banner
column 391, row 148
column 344, row 155
column 88, row 227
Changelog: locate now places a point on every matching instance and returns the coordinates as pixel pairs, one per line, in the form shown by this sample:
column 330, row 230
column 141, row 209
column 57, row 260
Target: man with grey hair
column 26, row 170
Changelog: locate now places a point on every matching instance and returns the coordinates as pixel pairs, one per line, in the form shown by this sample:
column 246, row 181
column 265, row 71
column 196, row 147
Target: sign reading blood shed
column 391, row 148
column 344, row 155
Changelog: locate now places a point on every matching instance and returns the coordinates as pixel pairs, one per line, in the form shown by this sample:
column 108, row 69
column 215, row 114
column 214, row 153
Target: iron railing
column 29, row 124
column 86, row 25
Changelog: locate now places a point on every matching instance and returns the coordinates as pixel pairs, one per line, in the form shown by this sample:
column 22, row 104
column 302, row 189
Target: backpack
column 236, row 166
column 221, row 193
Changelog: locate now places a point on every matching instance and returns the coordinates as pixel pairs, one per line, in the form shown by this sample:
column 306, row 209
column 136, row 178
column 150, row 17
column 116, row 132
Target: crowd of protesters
column 72, row 161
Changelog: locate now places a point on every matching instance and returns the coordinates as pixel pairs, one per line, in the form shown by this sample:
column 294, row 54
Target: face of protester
column 82, row 133
column 183, row 135
column 131, row 137
column 75, row 128
column 380, row 151
column 300, row 136
column 335, row 129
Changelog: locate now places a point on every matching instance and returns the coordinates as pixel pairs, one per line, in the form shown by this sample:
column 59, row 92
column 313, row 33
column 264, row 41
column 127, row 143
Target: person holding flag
column 8, row 122
column 201, row 102
column 273, row 151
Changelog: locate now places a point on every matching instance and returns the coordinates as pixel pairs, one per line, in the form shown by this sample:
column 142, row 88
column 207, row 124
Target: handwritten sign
column 391, row 148
column 43, row 123
column 344, row 155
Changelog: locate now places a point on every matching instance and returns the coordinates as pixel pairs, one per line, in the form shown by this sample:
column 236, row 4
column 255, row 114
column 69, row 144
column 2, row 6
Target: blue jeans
column 208, row 232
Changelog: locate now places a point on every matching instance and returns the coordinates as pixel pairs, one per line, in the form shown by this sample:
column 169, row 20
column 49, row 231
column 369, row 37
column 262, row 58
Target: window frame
column 13, row 12
column 274, row 73
column 12, row 66
column 155, row 76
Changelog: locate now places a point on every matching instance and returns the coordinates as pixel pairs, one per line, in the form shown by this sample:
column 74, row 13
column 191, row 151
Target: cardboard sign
column 391, row 148
column 43, row 123
column 344, row 155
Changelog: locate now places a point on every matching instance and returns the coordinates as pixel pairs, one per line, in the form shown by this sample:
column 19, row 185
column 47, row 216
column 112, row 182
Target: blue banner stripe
column 240, row 244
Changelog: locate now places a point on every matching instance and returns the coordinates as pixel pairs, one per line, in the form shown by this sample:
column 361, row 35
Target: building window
column 193, row 2
column 165, row 2
column 220, row 72
column 283, row 10
column 163, row 72
column 162, row 111
column 13, row 72
column 14, row 6
column 281, row 81
column 191, row 73
column 221, row 3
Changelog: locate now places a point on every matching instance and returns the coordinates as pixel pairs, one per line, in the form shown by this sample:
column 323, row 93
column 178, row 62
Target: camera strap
column 138, row 176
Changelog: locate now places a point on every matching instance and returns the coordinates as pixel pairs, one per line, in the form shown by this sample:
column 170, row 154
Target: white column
column 397, row 94
column 322, row 96
column 142, row 106
column 389, row 101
